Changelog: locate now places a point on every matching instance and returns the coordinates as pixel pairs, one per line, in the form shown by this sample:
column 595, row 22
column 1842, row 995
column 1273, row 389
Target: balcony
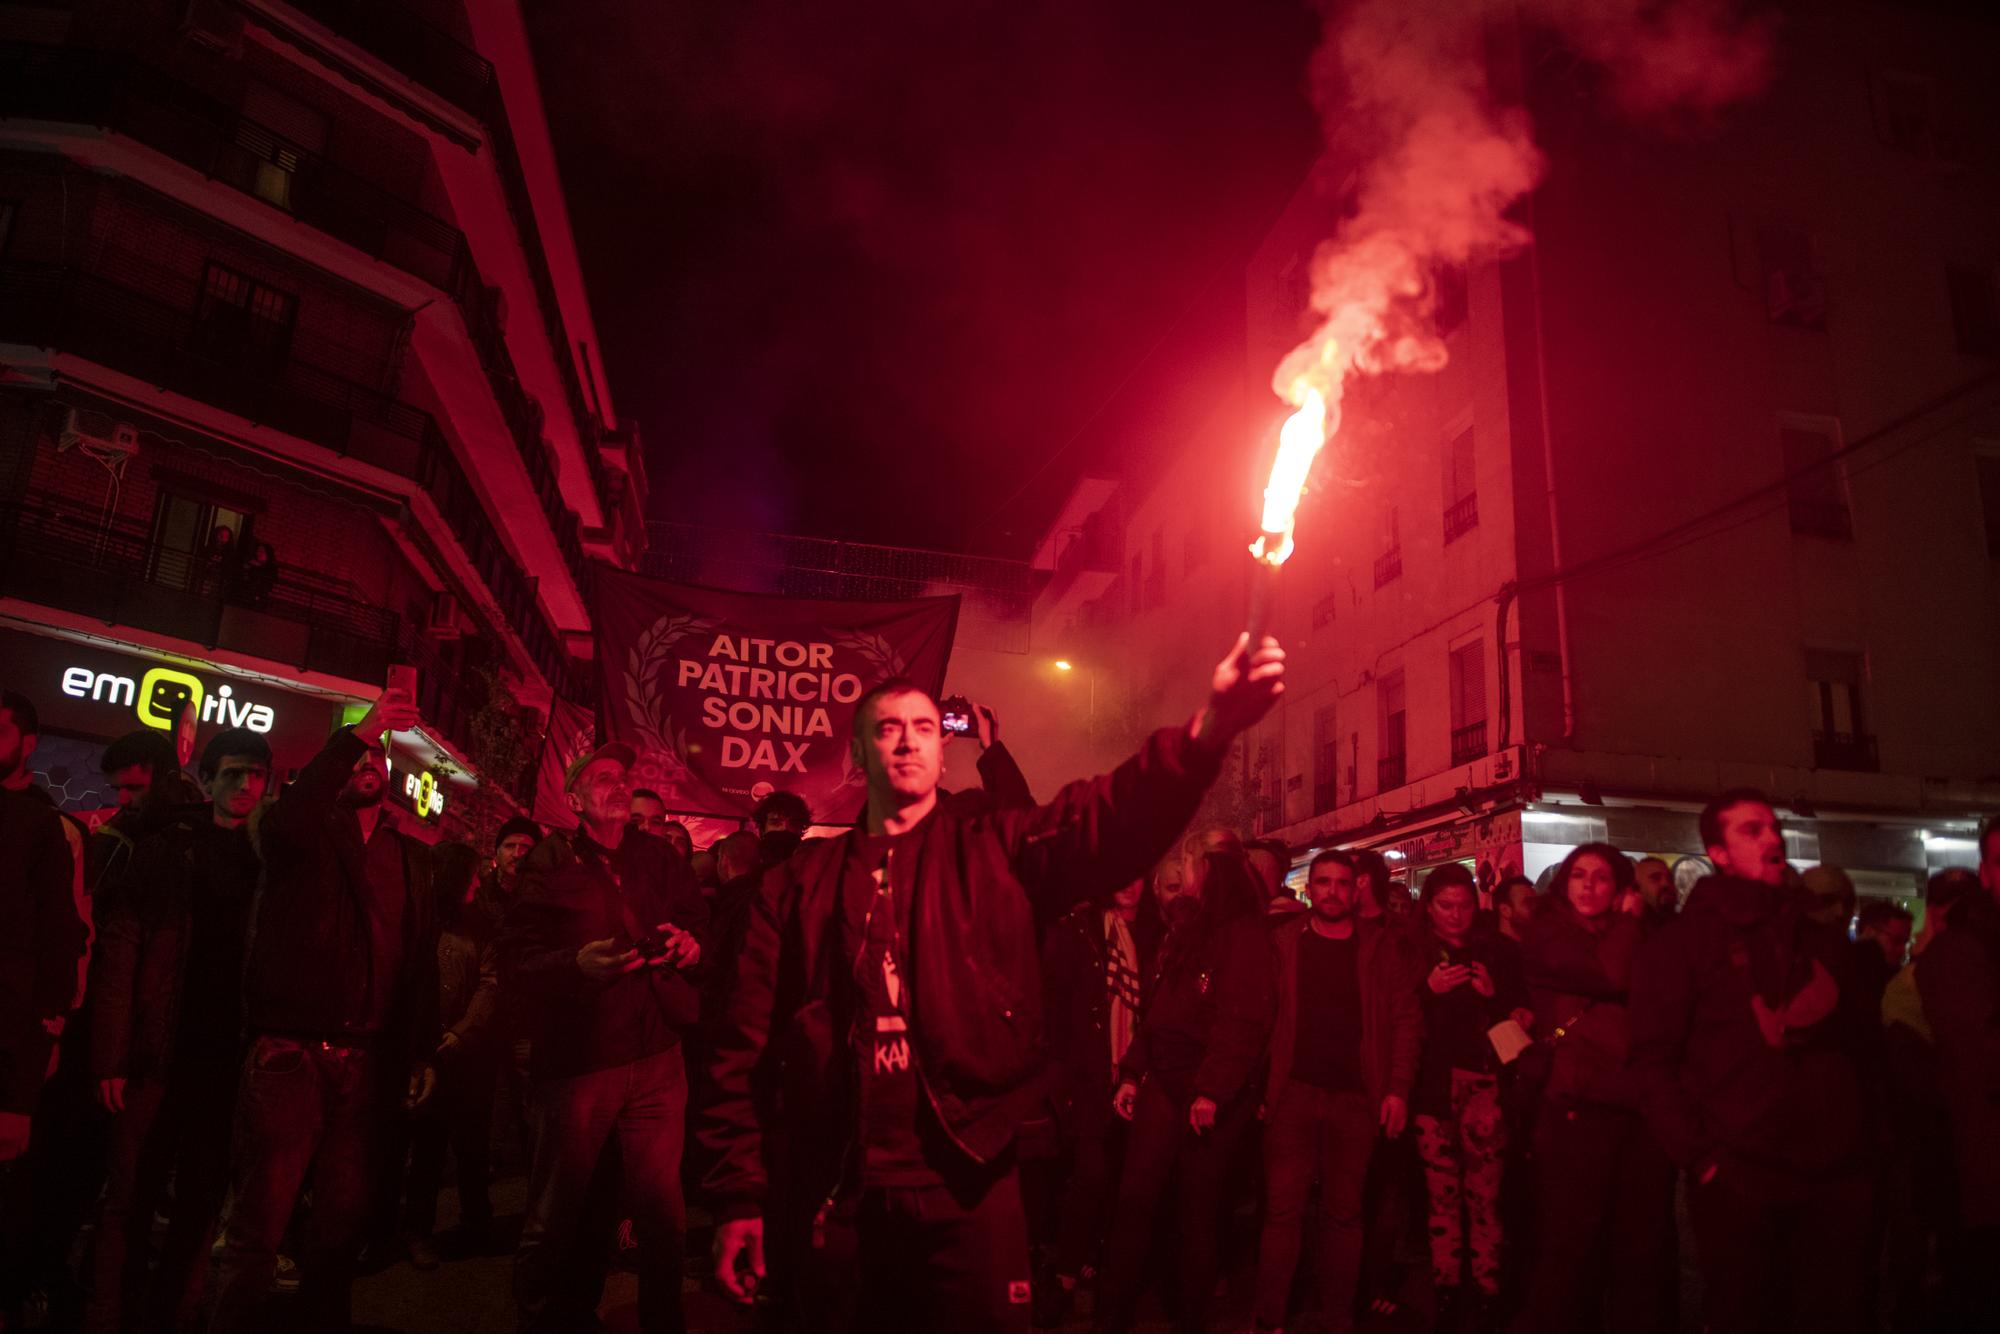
column 1468, row 743
column 1389, row 566
column 119, row 576
column 68, row 310
column 114, row 92
column 390, row 32
column 1845, row 750
column 1390, row 772
column 1461, row 518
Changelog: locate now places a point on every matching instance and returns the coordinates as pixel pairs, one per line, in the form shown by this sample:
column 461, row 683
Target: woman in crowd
column 1186, row 1082
column 1473, row 981
column 1605, row 1187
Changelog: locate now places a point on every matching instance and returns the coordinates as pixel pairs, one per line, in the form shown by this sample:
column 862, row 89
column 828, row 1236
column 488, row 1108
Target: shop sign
column 423, row 793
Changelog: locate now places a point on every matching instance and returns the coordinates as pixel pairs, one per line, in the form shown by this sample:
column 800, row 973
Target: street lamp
column 1065, row 666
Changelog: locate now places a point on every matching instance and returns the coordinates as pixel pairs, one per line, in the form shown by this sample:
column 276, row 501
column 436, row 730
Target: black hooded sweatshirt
column 1717, row 1090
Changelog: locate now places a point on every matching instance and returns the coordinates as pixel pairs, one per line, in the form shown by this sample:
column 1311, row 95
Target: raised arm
column 1112, row 829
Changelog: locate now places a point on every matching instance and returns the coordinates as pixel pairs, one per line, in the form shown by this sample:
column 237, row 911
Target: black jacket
column 1456, row 1022
column 1579, row 980
column 310, row 971
column 1712, row 1087
column 1076, row 999
column 138, row 973
column 42, row 935
column 1958, row 977
column 569, row 897
column 782, row 1119
column 1209, row 1018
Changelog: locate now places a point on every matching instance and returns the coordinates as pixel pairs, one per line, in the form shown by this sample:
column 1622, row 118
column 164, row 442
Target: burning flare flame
column 1299, row 443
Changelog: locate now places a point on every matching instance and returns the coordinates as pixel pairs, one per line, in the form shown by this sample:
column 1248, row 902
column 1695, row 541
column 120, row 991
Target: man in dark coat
column 600, row 946
column 1096, row 965
column 883, row 1041
column 340, row 1003
column 1958, row 978
column 1344, row 1054
column 167, row 984
column 1750, row 1070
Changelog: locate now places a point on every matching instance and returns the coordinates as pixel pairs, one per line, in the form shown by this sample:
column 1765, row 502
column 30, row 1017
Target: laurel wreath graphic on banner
column 650, row 652
column 881, row 656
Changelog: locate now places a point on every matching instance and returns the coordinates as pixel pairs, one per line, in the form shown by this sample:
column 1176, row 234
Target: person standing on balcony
column 341, row 1010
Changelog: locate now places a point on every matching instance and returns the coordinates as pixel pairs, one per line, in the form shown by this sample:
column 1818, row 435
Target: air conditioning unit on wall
column 447, row 619
column 110, row 442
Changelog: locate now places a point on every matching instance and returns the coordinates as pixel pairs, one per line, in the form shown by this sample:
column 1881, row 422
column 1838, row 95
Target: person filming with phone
column 882, row 1044
column 340, row 1002
column 602, row 950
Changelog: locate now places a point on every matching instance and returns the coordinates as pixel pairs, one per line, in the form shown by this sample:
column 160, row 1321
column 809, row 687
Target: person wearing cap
column 601, row 950
column 340, row 1004
column 500, row 884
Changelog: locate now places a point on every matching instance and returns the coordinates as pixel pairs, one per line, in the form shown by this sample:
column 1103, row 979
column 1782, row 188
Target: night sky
column 861, row 270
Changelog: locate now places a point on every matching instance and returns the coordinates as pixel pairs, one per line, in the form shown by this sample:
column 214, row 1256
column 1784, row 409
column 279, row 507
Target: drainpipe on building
column 1549, row 476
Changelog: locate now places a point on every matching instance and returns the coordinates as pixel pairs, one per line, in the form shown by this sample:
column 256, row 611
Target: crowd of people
column 979, row 1063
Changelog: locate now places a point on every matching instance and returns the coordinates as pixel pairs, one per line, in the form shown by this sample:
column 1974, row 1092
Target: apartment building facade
column 1708, row 494
column 297, row 381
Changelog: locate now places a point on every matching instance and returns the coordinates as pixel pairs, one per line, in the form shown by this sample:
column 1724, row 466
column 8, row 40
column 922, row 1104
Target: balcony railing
column 1390, row 771
column 387, row 30
column 1389, row 566
column 1845, row 750
column 112, row 91
column 118, row 575
column 1468, row 743
column 1461, row 517
column 81, row 313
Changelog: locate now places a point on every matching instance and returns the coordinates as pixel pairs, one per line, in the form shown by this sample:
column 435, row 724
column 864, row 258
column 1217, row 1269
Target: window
column 1156, row 585
column 1389, row 565
column 1975, row 310
column 1194, row 546
column 1794, row 293
column 1448, row 299
column 1326, row 760
column 1390, row 769
column 1468, row 702
column 1461, row 488
column 1906, row 114
column 188, row 550
column 1323, row 611
column 1815, row 491
column 1834, row 681
column 244, row 321
column 1989, row 499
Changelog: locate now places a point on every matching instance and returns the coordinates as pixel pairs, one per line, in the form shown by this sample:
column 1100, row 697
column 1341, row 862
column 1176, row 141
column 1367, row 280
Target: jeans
column 175, row 1128
column 1606, row 1226
column 1782, row 1254
column 1092, row 1175
column 459, row 1119
column 303, row 1107
column 643, row 1106
column 1160, row 1143
column 944, row 1258
column 1311, row 1136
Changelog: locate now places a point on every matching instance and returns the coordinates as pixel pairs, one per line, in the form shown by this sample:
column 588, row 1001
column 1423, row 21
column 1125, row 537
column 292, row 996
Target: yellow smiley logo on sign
column 163, row 693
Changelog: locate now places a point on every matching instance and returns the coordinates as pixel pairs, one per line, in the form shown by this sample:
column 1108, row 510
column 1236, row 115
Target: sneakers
column 287, row 1277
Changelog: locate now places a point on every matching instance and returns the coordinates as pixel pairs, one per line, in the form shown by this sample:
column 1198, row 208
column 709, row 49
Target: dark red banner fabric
column 730, row 696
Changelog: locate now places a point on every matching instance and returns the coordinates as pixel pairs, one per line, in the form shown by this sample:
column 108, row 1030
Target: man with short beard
column 1343, row 1057
column 341, row 1006
column 1749, row 1068
column 166, row 983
